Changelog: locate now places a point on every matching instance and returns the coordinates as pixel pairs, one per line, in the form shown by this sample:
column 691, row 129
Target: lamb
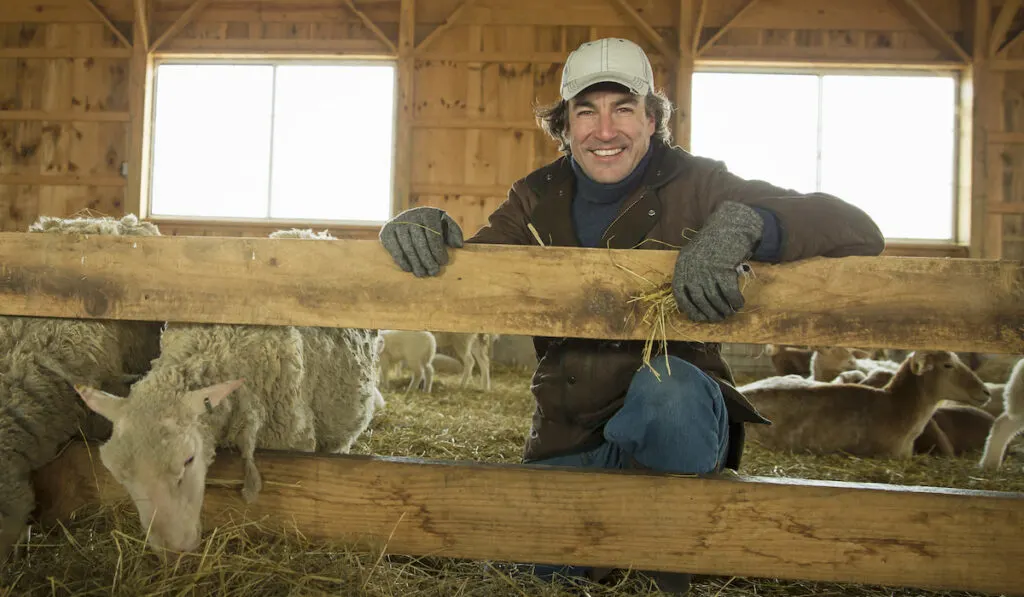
column 471, row 349
column 415, row 349
column 828, row 363
column 861, row 420
column 789, row 360
column 40, row 359
column 1009, row 423
column 293, row 387
column 954, row 429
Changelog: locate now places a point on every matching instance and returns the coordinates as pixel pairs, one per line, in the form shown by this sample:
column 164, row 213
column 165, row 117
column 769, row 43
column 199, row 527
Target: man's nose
column 606, row 128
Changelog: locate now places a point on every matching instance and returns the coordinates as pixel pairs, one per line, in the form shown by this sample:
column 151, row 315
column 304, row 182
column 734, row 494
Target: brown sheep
column 861, row 420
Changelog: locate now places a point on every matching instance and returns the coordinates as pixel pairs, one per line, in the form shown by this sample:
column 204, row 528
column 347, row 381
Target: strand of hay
column 659, row 311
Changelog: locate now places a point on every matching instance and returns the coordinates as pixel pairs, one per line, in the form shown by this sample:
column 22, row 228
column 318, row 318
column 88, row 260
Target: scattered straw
column 418, row 225
column 102, row 552
column 536, row 235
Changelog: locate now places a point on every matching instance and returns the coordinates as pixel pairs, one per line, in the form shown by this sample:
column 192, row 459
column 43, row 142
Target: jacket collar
column 555, row 185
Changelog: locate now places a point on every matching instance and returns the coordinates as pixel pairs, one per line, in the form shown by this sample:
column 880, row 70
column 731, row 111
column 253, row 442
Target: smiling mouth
column 607, row 153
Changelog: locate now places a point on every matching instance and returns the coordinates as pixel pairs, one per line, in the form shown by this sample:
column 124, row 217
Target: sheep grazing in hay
column 291, row 387
column 40, row 360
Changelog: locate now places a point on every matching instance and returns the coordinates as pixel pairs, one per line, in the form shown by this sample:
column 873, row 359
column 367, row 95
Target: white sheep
column 472, row 349
column 40, row 359
column 829, row 363
column 294, row 387
column 1009, row 423
column 862, row 420
column 414, row 349
column 308, row 234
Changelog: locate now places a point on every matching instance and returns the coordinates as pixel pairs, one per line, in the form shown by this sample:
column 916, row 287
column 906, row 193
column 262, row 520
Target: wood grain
column 778, row 528
column 952, row 304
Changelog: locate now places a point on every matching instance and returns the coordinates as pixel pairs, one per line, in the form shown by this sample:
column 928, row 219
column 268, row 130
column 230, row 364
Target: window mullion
column 821, row 134
column 270, row 160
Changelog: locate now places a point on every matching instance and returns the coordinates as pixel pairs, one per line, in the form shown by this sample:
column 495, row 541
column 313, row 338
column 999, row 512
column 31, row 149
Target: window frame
column 268, row 221
column 961, row 193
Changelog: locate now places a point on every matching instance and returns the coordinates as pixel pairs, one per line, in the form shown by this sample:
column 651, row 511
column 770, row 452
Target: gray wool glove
column 418, row 239
column 706, row 282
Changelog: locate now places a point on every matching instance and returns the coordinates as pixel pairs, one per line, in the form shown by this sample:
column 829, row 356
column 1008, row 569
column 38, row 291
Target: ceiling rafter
column 725, row 28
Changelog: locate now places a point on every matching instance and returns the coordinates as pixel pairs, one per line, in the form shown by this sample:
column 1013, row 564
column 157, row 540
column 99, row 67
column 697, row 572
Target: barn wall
column 466, row 131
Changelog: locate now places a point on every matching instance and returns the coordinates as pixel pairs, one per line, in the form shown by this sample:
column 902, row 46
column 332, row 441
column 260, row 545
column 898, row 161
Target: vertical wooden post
column 986, row 172
column 406, row 94
column 684, row 74
column 140, row 100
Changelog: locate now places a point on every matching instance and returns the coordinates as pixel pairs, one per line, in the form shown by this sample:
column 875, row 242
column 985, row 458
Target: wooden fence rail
column 767, row 527
column 829, row 531
column 899, row 302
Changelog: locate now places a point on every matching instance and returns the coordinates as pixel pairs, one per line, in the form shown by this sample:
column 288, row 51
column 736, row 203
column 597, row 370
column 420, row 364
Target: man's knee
column 674, row 421
column 675, row 389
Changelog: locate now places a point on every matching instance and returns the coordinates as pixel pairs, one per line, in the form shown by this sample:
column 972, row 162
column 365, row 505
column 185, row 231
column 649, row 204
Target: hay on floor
column 101, row 552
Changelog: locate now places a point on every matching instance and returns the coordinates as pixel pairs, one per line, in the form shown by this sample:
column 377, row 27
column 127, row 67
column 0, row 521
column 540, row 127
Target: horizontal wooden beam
column 1006, row 64
column 508, row 57
column 62, row 180
column 259, row 48
column 885, row 302
column 809, row 530
column 467, row 123
column 67, row 115
column 1005, row 138
column 73, row 53
column 998, row 207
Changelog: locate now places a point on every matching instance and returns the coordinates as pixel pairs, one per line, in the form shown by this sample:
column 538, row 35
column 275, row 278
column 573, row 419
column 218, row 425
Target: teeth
column 607, row 152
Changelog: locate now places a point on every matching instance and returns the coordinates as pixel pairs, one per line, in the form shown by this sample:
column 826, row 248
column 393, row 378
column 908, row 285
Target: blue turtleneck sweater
column 595, row 206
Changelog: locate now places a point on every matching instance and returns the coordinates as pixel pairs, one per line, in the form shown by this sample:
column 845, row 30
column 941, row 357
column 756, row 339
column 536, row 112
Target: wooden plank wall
column 473, row 86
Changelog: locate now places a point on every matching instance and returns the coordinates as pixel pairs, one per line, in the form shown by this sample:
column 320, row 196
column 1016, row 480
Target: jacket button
column 572, row 379
column 547, row 177
column 651, row 213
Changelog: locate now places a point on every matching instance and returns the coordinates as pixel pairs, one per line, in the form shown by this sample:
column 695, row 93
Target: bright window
column 883, row 143
column 273, row 141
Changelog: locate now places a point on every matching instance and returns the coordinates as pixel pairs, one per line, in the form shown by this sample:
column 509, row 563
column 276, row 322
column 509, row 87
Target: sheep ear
column 100, row 402
column 204, row 400
column 919, row 363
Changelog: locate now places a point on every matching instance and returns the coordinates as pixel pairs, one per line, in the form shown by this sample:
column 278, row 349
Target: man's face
column 609, row 133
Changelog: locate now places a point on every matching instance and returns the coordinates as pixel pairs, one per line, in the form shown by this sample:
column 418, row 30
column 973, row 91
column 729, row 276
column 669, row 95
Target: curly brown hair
column 553, row 118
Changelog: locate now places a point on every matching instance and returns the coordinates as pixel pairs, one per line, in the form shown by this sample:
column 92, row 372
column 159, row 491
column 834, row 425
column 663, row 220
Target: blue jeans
column 677, row 424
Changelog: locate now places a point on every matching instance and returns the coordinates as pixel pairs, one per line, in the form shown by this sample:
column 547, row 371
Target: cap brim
column 627, row 81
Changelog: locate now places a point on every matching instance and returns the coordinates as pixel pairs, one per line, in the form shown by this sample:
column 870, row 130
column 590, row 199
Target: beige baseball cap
column 612, row 60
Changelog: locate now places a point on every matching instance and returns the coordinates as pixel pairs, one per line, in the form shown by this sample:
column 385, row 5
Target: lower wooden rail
column 745, row 526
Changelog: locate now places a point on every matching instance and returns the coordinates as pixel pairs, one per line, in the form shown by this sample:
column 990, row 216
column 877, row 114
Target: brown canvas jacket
column 580, row 383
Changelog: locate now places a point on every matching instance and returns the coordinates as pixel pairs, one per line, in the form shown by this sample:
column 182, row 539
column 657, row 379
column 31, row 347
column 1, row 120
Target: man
column 621, row 184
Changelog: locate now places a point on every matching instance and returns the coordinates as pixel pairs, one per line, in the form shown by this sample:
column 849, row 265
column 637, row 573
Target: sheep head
column 158, row 452
column 946, row 377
